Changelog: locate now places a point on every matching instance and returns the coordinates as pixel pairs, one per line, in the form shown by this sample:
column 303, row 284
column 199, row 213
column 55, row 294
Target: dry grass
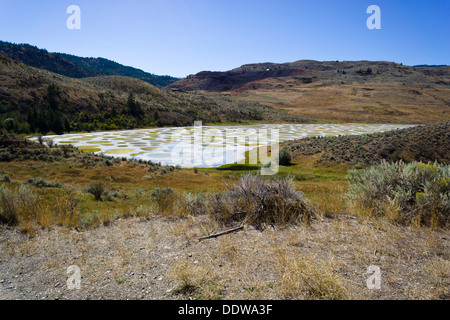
column 72, row 206
column 388, row 102
column 194, row 281
column 306, row 276
column 327, row 260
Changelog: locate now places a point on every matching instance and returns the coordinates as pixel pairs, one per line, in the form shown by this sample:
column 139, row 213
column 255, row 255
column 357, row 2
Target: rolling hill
column 77, row 67
column 347, row 91
column 33, row 99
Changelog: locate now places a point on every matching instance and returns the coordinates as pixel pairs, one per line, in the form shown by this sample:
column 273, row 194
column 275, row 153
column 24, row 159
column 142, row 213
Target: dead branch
column 215, row 235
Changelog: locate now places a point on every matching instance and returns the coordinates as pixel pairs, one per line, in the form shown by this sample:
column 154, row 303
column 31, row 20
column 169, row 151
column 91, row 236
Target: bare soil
column 160, row 258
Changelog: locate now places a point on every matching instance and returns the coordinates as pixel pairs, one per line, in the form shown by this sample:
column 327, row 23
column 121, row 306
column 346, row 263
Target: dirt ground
column 160, row 258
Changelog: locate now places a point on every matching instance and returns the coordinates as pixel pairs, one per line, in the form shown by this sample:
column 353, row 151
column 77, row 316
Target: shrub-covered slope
column 35, row 100
column 420, row 143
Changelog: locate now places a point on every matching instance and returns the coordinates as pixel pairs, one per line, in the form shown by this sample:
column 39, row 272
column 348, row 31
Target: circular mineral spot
column 88, row 149
column 215, row 145
column 119, row 151
column 139, row 144
column 86, row 138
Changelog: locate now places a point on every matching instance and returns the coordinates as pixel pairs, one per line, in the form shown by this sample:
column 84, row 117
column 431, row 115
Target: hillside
column 38, row 100
column 426, row 143
column 76, row 67
column 348, row 91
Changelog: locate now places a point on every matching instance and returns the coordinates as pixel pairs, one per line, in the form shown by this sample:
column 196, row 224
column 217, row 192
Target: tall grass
column 17, row 205
column 165, row 198
column 408, row 193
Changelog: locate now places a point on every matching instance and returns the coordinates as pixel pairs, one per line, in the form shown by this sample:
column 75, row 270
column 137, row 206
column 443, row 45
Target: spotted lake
column 207, row 146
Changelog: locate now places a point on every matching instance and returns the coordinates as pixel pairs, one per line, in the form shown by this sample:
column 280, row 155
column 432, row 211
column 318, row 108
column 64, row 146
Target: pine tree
column 52, row 96
column 56, row 124
column 67, row 126
column 134, row 108
column 41, row 122
column 32, row 119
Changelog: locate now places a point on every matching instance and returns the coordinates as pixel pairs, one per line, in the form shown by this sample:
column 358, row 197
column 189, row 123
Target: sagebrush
column 414, row 192
column 259, row 201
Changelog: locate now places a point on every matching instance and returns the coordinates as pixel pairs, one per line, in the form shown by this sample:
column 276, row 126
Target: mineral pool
column 207, row 146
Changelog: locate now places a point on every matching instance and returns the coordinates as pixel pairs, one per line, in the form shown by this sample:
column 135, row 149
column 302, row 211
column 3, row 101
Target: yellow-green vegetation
column 89, row 149
column 119, row 151
column 101, row 194
column 130, row 188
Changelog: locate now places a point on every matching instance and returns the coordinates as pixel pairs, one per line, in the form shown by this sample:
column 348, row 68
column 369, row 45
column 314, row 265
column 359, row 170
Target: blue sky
column 181, row 37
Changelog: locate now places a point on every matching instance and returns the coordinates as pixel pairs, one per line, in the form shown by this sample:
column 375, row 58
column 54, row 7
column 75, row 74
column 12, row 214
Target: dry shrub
column 260, row 201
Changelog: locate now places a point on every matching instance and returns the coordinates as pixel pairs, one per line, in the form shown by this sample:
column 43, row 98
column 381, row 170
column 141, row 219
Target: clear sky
column 181, row 37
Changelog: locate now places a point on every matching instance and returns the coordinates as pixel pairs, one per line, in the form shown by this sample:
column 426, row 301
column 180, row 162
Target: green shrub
column 97, row 189
column 89, row 219
column 43, row 183
column 195, row 203
column 414, row 192
column 285, row 157
column 6, row 178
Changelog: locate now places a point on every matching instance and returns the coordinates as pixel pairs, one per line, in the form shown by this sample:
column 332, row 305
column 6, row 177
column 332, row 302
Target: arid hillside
column 359, row 91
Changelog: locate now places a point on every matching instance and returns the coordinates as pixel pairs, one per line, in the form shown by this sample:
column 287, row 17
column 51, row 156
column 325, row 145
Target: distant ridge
column 253, row 76
column 77, row 67
column 430, row 65
column 344, row 91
